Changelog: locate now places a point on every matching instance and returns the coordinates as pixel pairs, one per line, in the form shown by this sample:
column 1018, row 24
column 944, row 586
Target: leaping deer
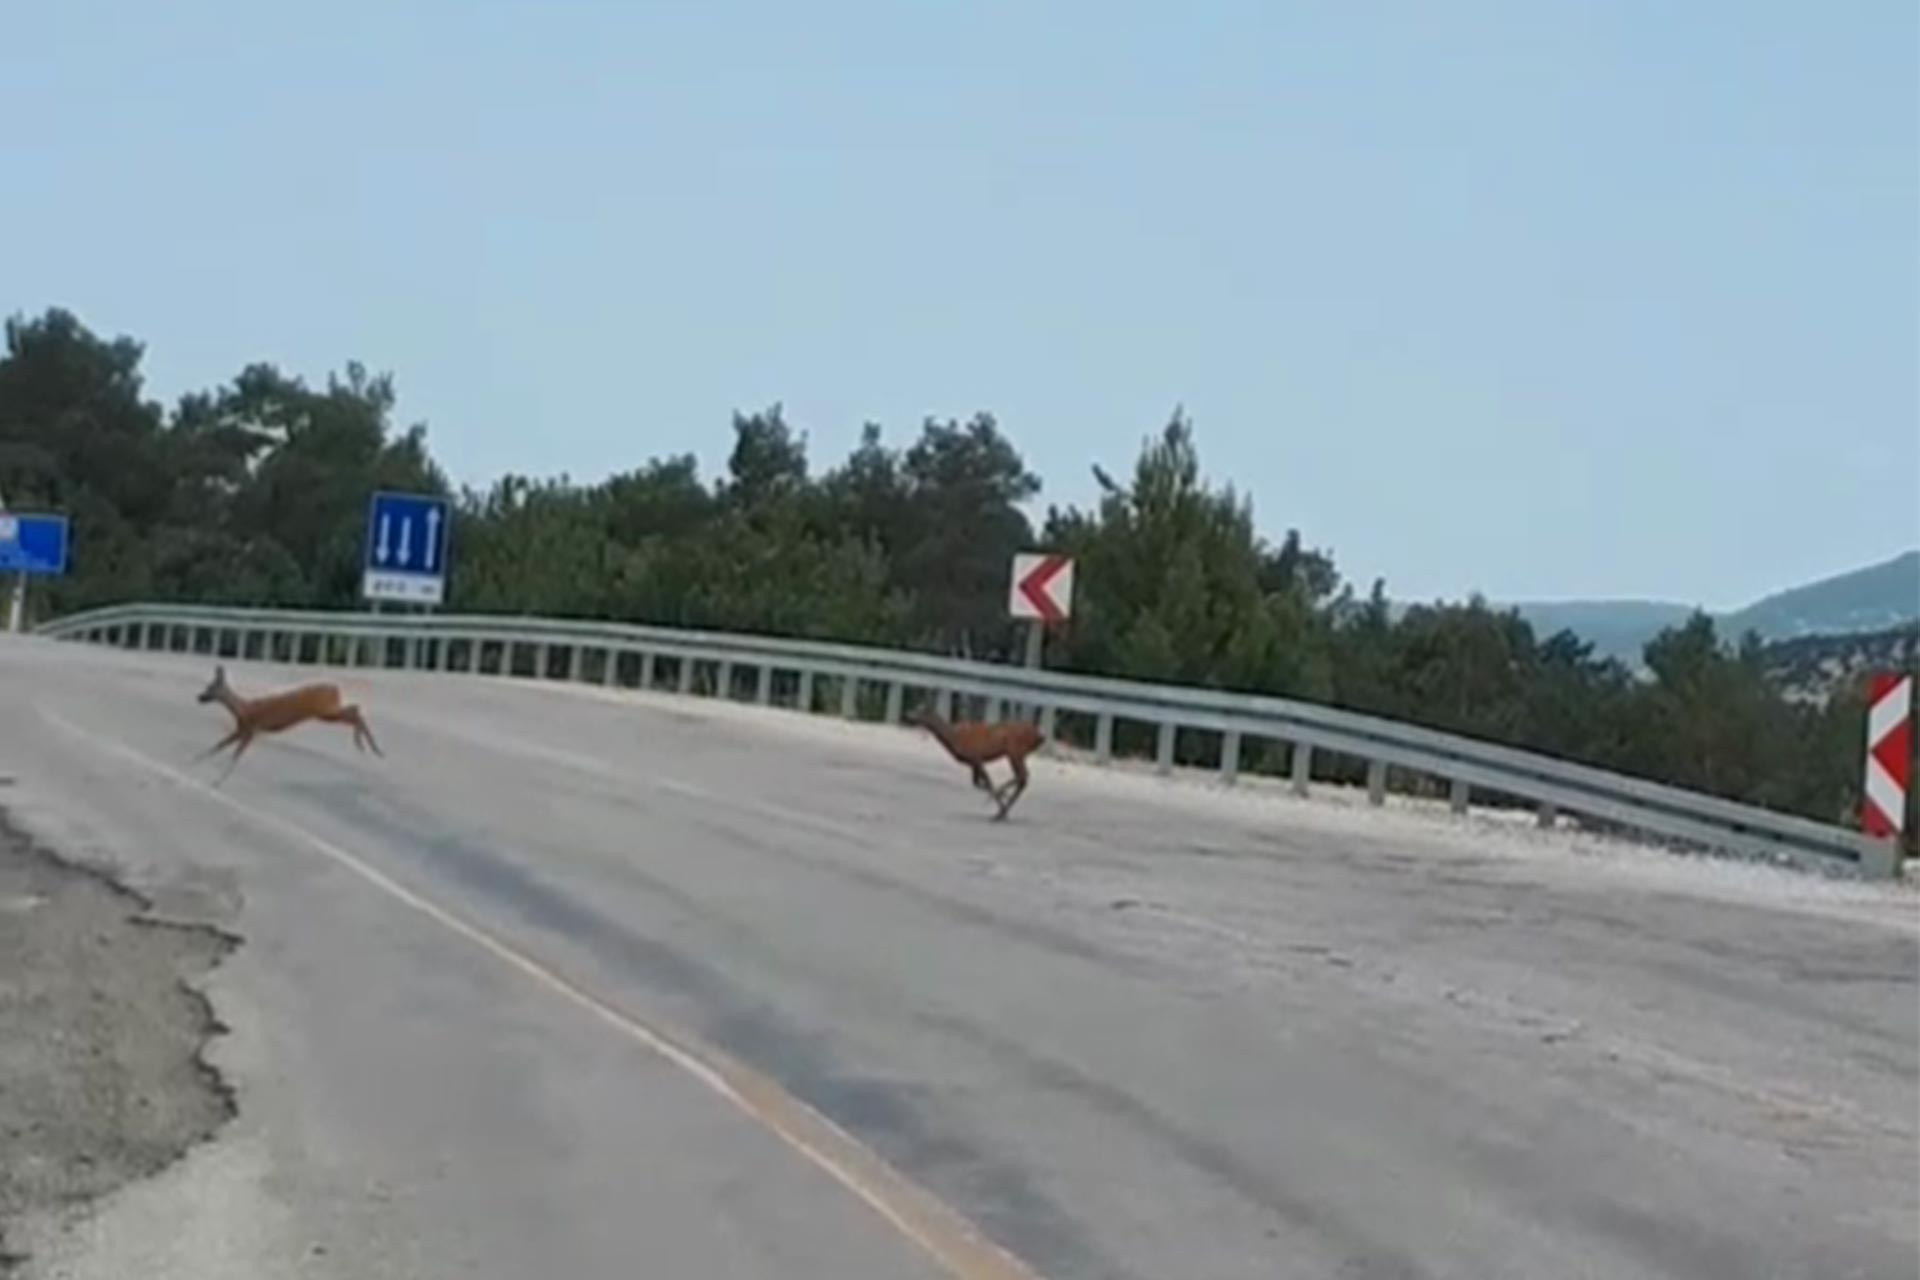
column 276, row 712
column 976, row 745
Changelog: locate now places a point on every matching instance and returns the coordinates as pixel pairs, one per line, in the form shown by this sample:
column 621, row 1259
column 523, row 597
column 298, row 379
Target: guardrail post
column 646, row 670
column 850, row 697
column 804, row 701
column 609, row 665
column 896, row 694
column 723, row 681
column 1376, row 782
column 1548, row 814
column 1230, row 756
column 1459, row 795
column 1049, row 722
column 763, row 690
column 574, row 661
column 943, row 702
column 1103, row 738
column 1302, row 770
column 1163, row 754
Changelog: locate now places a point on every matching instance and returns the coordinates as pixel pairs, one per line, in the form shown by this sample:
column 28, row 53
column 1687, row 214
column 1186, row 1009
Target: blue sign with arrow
column 407, row 535
column 33, row 543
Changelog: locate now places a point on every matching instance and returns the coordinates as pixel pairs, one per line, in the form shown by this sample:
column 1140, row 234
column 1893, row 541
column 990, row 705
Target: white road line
column 929, row 1223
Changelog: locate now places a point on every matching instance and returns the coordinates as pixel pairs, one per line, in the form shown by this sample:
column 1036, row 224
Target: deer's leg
column 981, row 780
column 350, row 715
column 219, row 746
column 360, row 726
column 246, row 740
column 1015, row 785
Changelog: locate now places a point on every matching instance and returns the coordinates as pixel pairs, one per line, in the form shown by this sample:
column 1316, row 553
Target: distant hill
column 1876, row 598
column 1871, row 599
column 1615, row 628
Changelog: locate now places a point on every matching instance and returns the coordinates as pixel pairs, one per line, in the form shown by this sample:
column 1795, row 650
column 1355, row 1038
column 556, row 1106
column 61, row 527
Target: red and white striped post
column 1883, row 805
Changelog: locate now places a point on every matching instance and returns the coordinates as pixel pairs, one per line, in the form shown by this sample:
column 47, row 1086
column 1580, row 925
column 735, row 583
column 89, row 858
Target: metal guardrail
column 654, row 657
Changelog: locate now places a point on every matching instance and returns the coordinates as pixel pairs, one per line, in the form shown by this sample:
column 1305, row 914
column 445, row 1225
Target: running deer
column 275, row 712
column 975, row 745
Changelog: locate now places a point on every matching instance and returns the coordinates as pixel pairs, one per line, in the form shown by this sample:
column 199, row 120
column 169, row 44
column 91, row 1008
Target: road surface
column 588, row 984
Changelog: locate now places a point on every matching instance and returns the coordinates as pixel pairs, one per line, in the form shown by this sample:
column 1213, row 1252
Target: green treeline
column 255, row 493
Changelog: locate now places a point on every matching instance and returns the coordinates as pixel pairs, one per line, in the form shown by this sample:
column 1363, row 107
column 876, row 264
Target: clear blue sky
column 1541, row 299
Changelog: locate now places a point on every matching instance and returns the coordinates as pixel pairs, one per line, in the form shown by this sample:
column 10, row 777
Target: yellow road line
column 929, row 1223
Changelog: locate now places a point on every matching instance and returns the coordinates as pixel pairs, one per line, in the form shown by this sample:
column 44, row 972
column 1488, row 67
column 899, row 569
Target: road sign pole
column 1036, row 642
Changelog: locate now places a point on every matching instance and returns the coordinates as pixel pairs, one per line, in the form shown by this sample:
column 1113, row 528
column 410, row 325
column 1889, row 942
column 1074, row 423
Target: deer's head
column 219, row 686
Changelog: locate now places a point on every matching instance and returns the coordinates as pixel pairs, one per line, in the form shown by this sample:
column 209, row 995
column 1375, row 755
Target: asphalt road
column 589, row 985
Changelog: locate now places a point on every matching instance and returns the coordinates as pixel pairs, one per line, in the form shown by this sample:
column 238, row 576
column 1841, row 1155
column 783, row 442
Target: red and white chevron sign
column 1042, row 587
column 1883, row 809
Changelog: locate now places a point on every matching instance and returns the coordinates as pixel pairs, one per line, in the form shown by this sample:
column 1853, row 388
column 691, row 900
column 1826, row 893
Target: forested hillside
column 254, row 492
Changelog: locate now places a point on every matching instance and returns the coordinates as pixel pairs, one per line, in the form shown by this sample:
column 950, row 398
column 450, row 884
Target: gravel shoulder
column 102, row 1082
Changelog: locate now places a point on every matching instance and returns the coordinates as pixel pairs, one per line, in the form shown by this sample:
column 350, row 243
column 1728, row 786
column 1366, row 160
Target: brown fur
column 976, row 745
column 278, row 712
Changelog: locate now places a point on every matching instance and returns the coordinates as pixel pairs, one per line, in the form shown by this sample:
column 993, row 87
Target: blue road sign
column 32, row 543
column 407, row 536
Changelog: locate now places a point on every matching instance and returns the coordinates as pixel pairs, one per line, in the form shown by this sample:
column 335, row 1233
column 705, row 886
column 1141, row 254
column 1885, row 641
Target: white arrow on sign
column 406, row 542
column 380, row 548
column 432, row 548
